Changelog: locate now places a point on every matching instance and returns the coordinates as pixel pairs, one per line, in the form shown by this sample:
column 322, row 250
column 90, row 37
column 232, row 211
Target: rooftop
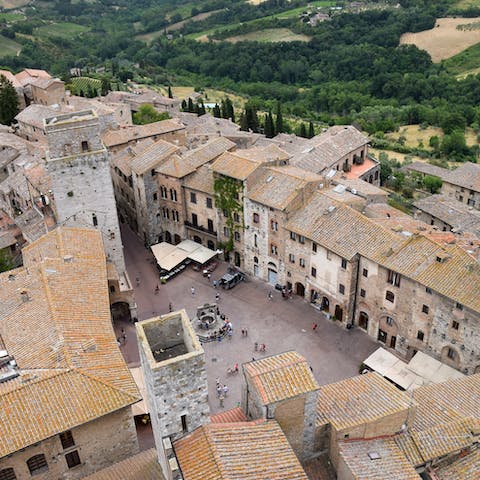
column 238, row 451
column 55, row 322
column 359, row 400
column 152, row 156
column 280, row 376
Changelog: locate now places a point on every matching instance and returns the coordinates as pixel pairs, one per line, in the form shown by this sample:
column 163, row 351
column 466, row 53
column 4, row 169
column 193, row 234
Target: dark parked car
column 231, row 278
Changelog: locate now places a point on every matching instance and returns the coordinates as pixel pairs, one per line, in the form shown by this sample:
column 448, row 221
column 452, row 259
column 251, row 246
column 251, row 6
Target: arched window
column 363, row 320
column 7, row 474
column 390, row 296
column 94, row 220
column 37, row 464
column 255, row 259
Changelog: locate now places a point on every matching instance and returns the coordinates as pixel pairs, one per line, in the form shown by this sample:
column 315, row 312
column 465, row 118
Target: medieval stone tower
column 173, row 363
column 77, row 162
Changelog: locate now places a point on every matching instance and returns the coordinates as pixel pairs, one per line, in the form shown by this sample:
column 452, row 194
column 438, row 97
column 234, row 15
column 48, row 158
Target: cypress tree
column 279, row 122
column 106, row 87
column 200, row 109
column 184, row 105
column 190, row 107
column 303, row 130
column 243, row 122
column 170, row 94
column 216, row 111
column 8, row 101
column 269, row 127
column 311, row 130
column 229, row 113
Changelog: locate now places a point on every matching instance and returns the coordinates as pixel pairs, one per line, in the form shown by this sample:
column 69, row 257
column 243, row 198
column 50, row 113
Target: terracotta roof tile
column 238, row 451
column 466, row 468
column 61, row 336
column 143, row 466
column 280, row 376
column 358, row 400
column 201, row 180
column 230, row 416
column 152, row 156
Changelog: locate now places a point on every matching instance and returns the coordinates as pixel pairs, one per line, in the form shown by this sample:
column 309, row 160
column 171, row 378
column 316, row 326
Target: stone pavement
column 333, row 353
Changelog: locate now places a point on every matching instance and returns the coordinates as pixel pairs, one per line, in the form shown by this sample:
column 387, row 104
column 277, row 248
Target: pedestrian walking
column 214, row 284
column 225, row 391
column 208, row 276
column 193, row 290
column 221, row 399
column 230, row 333
column 170, row 308
column 243, row 332
column 255, row 346
column 217, row 296
column 217, row 381
column 314, row 327
column 263, row 348
column 157, row 289
column 124, row 338
column 270, row 295
column 137, row 280
column 219, row 390
column 246, row 332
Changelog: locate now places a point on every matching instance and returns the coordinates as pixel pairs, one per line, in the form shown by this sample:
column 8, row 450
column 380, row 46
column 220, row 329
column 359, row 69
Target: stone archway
column 450, row 356
column 197, row 239
column 120, row 311
column 325, row 304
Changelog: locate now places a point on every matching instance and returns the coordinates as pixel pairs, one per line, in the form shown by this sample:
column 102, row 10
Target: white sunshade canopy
column 169, row 256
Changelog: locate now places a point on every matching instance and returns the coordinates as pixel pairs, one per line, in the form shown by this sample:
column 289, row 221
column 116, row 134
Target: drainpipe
column 356, row 293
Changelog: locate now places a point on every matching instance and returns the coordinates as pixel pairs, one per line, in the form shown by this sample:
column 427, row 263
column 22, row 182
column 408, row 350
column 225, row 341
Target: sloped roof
column 11, row 78
column 136, row 132
column 28, row 75
column 35, row 114
column 280, row 376
column 467, row 175
column 278, row 187
column 389, row 461
column 465, row 468
column 359, row 400
column 229, row 416
column 234, row 165
column 238, row 451
column 143, row 466
column 61, row 336
column 201, row 180
column 152, row 156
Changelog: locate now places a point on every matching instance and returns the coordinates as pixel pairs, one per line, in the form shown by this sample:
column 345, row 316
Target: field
column 445, row 40
column 464, row 4
column 11, row 4
column 414, row 135
column 8, row 47
column 10, row 17
column 64, row 30
column 400, row 157
column 465, row 63
column 82, row 83
column 270, row 35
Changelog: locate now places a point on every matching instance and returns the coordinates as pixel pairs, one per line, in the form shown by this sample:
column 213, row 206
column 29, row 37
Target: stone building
column 66, row 394
column 48, row 91
column 282, row 387
column 173, row 363
column 273, row 194
column 461, row 184
column 79, row 170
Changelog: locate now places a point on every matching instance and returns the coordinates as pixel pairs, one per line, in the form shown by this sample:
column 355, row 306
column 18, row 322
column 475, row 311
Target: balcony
column 200, row 228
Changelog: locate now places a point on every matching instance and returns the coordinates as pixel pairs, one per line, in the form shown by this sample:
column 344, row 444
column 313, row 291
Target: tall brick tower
column 77, row 162
column 173, row 363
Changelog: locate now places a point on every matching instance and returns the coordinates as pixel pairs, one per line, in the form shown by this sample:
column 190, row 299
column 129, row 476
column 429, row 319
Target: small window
column 194, row 219
column 314, row 272
column 314, row 247
column 7, row 474
column 428, row 290
column 255, row 240
column 420, row 335
column 225, row 213
column 73, row 459
column 209, row 202
column 183, row 418
column 291, row 257
column 112, row 290
column 329, row 255
column 393, row 278
column 94, row 220
column 389, row 321
column 293, row 236
column 274, row 225
column 256, row 218
column 236, row 217
column 66, row 437
column 425, row 309
column 451, row 353
column 363, row 293
column 210, row 225
column 301, row 262
column 344, row 263
column 274, row 249
column 365, row 272
column 390, row 296
column 37, row 464
column 237, row 236
column 226, row 232
column 193, row 197
column 155, row 196
column 84, row 146
column 341, row 289
column 455, row 325
column 458, row 306
column 301, row 239
column 152, row 172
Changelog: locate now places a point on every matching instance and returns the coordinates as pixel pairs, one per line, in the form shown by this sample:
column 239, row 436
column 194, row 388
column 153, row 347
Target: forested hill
column 351, row 69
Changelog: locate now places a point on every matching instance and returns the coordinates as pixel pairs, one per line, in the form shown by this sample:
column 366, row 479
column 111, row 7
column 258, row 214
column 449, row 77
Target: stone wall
column 99, row 443
column 170, row 204
column 464, row 195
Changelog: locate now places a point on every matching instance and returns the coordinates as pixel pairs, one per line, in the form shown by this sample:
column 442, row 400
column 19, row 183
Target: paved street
column 333, row 353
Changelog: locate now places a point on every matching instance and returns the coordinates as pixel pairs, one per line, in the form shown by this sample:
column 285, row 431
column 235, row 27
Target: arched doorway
column 197, row 239
column 363, row 320
column 338, row 313
column 177, row 239
column 168, row 237
column 450, row 356
column 300, row 289
column 120, row 311
column 313, row 295
column 272, row 273
column 325, row 304
column 256, row 269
